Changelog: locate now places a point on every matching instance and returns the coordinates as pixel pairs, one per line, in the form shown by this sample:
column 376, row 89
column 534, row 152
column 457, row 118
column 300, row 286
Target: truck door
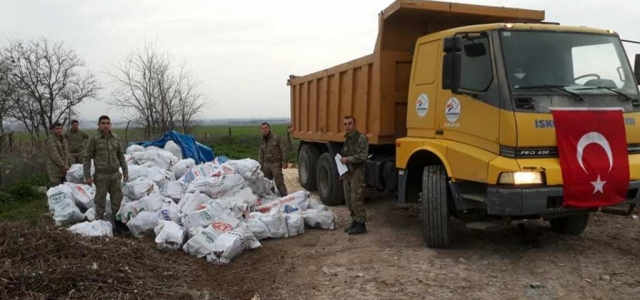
column 471, row 115
column 424, row 87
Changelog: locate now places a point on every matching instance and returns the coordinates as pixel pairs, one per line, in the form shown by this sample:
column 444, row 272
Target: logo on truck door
column 452, row 110
column 422, row 105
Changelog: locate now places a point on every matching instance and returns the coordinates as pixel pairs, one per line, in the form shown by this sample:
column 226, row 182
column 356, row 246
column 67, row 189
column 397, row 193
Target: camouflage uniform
column 356, row 150
column 273, row 155
column 108, row 157
column 77, row 142
column 57, row 159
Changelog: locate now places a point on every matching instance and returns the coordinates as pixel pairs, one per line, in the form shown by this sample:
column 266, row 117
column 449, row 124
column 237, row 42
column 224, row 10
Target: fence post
column 229, row 131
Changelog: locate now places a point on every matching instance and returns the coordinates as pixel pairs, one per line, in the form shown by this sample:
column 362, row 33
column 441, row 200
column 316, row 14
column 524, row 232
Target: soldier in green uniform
column 105, row 149
column 272, row 157
column 77, row 142
column 57, row 155
column 355, row 153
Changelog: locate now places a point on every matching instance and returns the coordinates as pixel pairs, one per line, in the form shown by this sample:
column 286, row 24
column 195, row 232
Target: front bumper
column 538, row 201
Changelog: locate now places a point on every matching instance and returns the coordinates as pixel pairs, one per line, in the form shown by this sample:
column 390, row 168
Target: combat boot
column 360, row 228
column 353, row 224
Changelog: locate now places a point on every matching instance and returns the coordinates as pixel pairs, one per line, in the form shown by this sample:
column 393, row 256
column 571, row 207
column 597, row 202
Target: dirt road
column 392, row 262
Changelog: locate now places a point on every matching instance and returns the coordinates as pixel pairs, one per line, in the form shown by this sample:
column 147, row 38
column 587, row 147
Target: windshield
column 557, row 62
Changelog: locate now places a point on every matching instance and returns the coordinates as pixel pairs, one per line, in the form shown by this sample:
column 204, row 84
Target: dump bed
column 374, row 88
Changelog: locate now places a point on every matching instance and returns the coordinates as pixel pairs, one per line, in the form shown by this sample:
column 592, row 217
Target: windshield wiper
column 550, row 86
column 625, row 96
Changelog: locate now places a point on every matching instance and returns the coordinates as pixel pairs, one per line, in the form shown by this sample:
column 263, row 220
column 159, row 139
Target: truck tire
column 307, row 163
column 329, row 184
column 570, row 225
column 435, row 207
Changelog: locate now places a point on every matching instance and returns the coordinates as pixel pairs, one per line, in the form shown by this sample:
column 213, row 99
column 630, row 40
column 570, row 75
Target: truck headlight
column 520, row 178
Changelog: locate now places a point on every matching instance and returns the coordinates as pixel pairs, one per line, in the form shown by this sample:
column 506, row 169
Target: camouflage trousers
column 273, row 171
column 76, row 158
column 353, row 186
column 107, row 183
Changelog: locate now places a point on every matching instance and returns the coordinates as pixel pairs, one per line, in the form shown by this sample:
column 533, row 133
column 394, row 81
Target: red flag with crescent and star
column 592, row 145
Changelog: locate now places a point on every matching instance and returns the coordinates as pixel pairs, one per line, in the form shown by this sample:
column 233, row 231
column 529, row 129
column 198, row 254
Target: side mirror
column 475, row 50
column 451, row 71
column 636, row 68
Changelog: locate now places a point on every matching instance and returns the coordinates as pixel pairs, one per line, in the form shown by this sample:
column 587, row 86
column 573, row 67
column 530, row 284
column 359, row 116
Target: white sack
column 261, row 186
column 173, row 189
column 129, row 159
column 143, row 223
column 237, row 205
column 82, row 194
column 201, row 171
column 259, row 229
column 130, row 209
column 295, row 224
column 323, row 219
column 169, row 235
column 201, row 244
column 275, row 222
column 160, row 176
column 95, row 228
column 133, row 149
column 220, row 221
column 248, row 168
column 158, row 157
column 231, row 244
column 173, row 148
column 139, row 188
column 297, row 201
column 314, row 204
column 182, row 166
column 62, row 207
column 75, row 174
column 192, row 201
column 136, row 172
column 169, row 211
column 217, row 187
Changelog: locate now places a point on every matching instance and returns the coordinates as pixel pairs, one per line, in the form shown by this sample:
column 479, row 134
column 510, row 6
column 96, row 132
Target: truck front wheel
column 307, row 163
column 570, row 225
column 329, row 184
column 435, row 207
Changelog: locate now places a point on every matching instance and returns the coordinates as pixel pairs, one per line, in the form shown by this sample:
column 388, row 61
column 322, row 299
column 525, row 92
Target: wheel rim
column 324, row 181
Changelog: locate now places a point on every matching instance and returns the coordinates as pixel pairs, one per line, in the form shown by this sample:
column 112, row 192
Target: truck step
column 488, row 225
column 474, row 197
column 622, row 210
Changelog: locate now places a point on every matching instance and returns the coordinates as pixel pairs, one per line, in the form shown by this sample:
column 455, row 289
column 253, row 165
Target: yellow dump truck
column 455, row 101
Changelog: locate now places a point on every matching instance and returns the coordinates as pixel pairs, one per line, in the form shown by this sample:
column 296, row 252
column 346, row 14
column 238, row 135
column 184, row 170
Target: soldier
column 273, row 157
column 105, row 148
column 354, row 154
column 77, row 141
column 57, row 155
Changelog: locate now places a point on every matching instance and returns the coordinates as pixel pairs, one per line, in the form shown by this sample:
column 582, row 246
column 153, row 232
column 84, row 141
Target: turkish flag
column 592, row 145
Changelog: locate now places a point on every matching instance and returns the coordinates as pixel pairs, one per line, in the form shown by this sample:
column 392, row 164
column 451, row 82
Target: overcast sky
column 244, row 51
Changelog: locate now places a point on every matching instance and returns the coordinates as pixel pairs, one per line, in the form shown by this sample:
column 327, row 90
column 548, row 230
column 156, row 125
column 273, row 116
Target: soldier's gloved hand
column 65, row 169
column 125, row 178
column 284, row 166
column 89, row 181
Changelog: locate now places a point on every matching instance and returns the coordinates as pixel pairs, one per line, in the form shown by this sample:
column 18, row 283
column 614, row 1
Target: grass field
column 234, row 141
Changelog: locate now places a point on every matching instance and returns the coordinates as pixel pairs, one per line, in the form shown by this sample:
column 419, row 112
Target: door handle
column 439, row 132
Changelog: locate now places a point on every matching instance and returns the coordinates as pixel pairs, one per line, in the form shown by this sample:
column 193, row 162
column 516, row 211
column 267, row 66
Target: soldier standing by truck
column 77, row 142
column 105, row 148
column 57, row 155
column 273, row 157
column 354, row 154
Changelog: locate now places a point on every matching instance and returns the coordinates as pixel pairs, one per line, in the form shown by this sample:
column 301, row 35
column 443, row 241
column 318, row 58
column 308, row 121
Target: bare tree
column 49, row 83
column 8, row 91
column 152, row 91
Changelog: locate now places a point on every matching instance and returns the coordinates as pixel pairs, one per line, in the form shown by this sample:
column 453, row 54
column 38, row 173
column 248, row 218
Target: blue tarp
column 190, row 147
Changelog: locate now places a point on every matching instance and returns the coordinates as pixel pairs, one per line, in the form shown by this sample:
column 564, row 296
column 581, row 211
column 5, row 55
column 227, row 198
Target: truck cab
column 455, row 101
column 487, row 137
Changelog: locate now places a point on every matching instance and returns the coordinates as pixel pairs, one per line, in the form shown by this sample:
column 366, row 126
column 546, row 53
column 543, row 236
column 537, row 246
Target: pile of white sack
column 214, row 210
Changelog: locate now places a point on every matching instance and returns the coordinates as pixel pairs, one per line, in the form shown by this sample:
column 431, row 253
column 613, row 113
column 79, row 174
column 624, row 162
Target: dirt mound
column 45, row 262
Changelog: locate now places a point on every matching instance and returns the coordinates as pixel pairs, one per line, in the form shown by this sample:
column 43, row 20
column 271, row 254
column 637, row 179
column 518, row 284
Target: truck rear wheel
column 570, row 225
column 307, row 163
column 435, row 207
column 329, row 184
